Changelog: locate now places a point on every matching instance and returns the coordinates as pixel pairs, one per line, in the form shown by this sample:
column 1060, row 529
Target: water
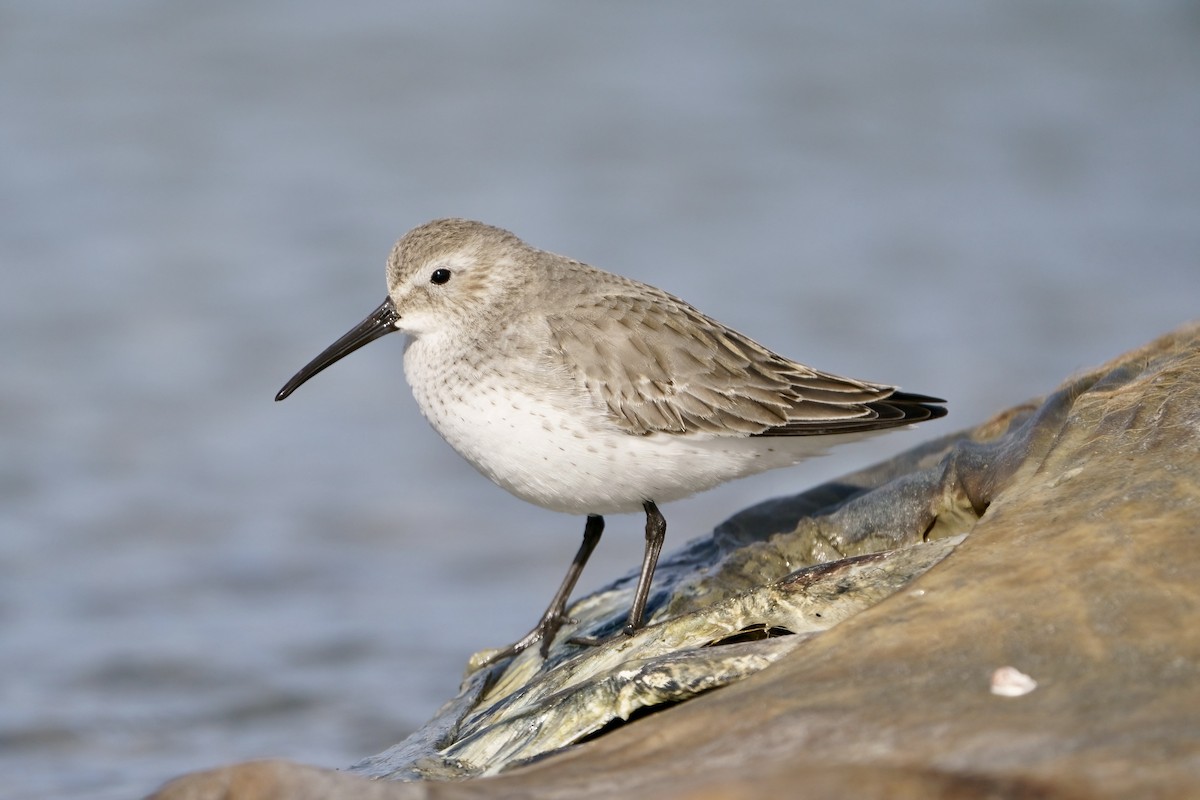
column 972, row 201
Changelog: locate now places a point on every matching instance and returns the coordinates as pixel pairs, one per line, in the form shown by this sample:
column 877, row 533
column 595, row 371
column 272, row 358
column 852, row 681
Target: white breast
column 546, row 442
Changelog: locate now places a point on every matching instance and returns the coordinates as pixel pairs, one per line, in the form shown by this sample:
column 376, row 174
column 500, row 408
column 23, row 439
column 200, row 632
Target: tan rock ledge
column 1005, row 612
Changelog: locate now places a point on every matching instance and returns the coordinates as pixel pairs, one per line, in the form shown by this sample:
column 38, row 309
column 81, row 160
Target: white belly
column 556, row 450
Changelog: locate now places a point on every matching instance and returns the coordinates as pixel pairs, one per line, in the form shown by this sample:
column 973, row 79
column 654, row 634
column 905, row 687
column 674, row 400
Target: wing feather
column 661, row 366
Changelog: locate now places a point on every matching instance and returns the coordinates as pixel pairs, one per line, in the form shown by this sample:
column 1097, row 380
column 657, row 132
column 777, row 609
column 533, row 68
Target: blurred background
column 969, row 200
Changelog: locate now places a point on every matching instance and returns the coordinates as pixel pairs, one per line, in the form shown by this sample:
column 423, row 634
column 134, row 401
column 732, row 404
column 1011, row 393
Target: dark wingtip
column 894, row 411
column 916, row 407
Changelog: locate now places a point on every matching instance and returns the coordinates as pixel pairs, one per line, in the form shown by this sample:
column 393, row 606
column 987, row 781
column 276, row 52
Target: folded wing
column 660, row 366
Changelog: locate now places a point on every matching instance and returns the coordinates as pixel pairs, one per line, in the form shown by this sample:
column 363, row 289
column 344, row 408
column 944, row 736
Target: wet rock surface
column 856, row 632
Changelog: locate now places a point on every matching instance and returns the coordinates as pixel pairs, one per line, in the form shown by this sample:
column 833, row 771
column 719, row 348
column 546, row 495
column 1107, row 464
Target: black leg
column 656, row 532
column 556, row 612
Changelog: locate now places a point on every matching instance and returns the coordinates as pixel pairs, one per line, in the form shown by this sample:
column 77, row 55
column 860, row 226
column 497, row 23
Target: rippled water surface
column 972, row 202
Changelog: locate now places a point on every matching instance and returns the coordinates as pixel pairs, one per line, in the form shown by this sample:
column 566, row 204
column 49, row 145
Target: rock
column 1080, row 572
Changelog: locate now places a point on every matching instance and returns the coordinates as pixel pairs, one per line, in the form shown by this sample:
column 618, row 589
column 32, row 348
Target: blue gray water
column 972, row 200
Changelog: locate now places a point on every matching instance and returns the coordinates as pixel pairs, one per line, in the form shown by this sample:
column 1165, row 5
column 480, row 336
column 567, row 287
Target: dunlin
column 589, row 393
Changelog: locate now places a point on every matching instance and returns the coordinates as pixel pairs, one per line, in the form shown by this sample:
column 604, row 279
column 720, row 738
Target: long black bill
column 381, row 322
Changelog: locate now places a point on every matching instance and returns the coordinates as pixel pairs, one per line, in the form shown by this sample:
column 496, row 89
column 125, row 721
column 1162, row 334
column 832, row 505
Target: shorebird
column 589, row 393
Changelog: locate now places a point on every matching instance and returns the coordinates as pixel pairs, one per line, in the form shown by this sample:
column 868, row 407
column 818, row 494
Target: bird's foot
column 544, row 632
column 596, row 641
column 555, row 615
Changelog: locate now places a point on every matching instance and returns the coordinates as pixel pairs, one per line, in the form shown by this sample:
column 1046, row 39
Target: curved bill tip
column 381, row 322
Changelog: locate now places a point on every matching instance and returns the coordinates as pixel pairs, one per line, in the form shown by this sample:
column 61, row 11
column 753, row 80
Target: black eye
column 440, row 276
